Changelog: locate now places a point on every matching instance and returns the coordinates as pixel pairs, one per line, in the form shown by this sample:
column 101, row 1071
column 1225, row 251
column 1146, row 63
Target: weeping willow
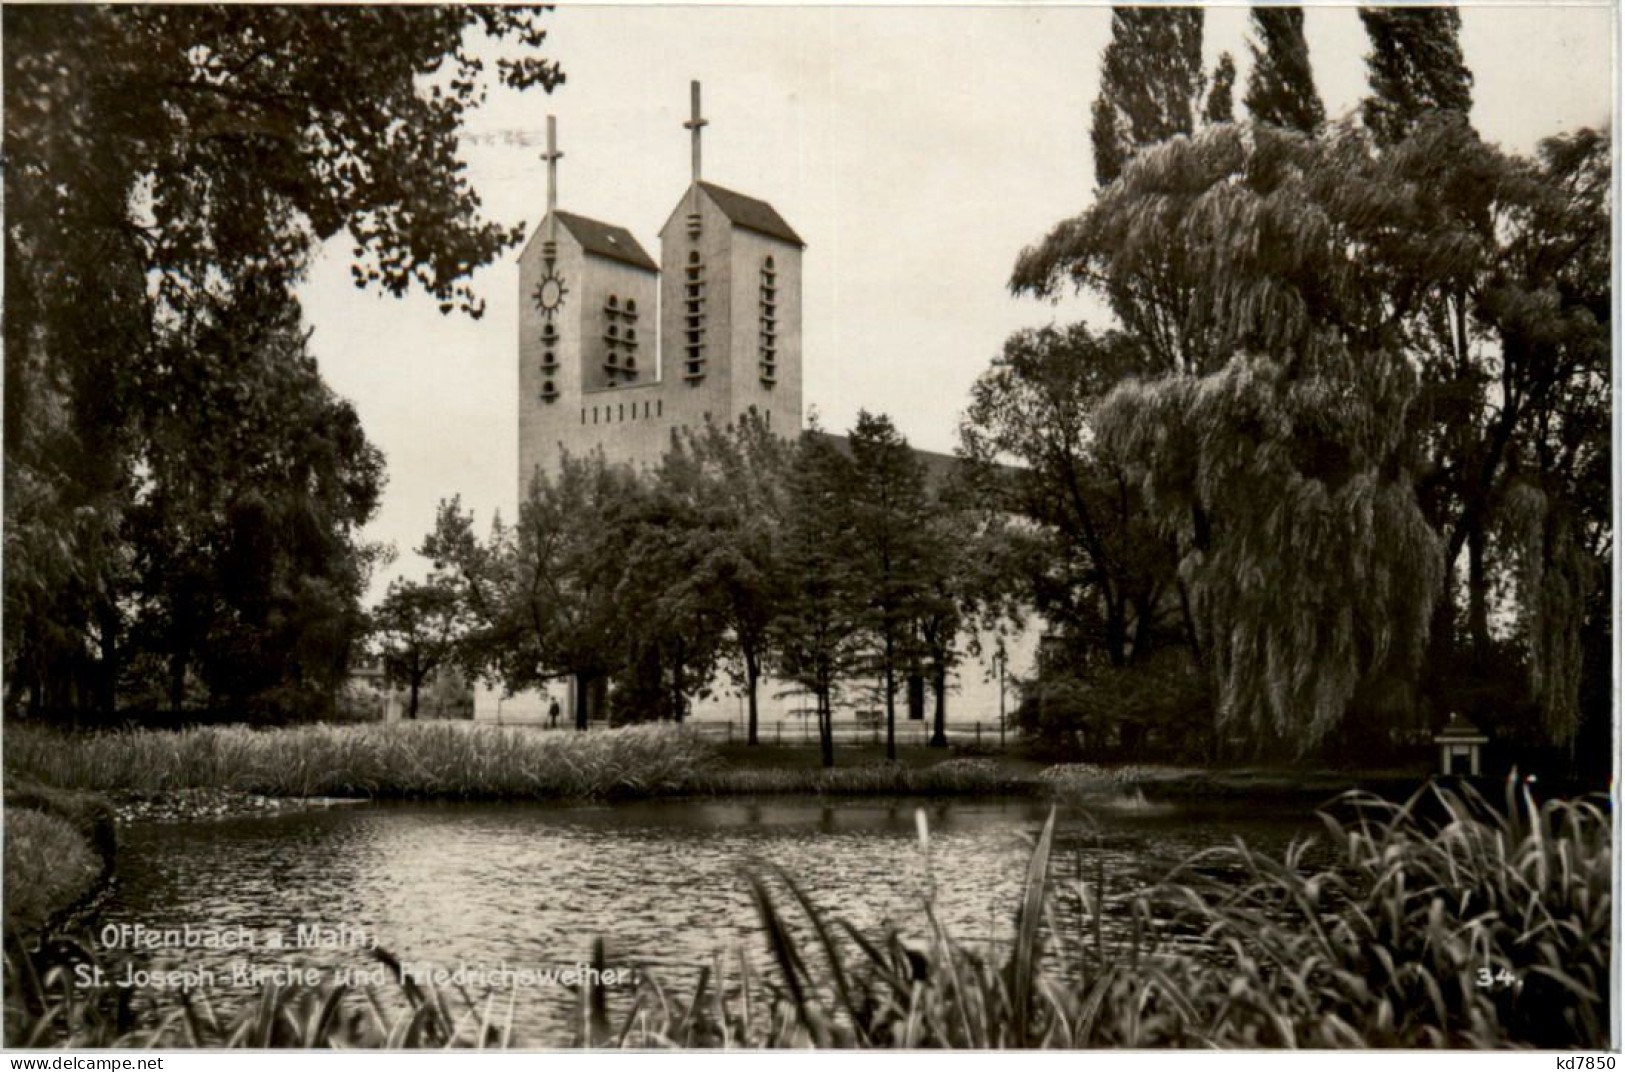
column 1555, row 575
column 1311, row 570
column 1274, row 445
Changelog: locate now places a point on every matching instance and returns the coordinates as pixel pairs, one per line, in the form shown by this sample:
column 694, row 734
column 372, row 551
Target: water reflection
column 529, row 886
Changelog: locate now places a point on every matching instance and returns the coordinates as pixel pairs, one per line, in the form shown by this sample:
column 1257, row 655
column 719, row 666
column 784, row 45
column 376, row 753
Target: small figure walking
column 553, row 714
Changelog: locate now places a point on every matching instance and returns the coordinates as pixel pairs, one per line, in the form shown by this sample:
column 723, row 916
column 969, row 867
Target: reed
column 441, row 760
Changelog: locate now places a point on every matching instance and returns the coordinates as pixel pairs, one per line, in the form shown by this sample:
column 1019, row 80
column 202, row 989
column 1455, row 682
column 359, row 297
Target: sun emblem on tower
column 549, row 293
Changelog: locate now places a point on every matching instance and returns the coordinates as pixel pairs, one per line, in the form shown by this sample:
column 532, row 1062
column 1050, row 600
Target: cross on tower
column 552, row 156
column 695, row 123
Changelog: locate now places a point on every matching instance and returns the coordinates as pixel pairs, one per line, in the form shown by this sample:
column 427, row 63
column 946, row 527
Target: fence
column 805, row 732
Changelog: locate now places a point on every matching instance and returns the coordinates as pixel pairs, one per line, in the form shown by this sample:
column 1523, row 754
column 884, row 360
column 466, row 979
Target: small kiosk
column 1461, row 744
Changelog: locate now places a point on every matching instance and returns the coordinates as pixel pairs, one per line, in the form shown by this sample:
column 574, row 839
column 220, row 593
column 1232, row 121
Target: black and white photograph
column 706, row 527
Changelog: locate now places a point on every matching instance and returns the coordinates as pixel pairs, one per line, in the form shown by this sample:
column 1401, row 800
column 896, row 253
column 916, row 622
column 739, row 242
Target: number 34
column 1500, row 978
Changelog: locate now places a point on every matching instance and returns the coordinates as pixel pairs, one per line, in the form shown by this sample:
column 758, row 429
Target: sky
column 917, row 150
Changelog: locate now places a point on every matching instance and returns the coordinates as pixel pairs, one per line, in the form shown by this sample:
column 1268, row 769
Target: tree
column 419, row 627
column 245, row 563
column 1151, row 84
column 816, row 633
column 542, row 593
column 962, row 586
column 1281, row 86
column 742, row 477
column 1096, row 566
column 1151, row 91
column 1466, row 329
column 889, row 510
column 1452, row 358
column 1221, row 104
column 1508, row 327
column 674, row 617
column 1278, row 463
column 159, row 159
column 1415, row 68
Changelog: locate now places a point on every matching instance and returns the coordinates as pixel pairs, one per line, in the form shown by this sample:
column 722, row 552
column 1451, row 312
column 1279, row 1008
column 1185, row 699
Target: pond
column 527, row 887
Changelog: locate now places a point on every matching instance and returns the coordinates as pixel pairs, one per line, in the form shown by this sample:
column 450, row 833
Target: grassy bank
column 49, row 866
column 469, row 762
column 59, row 847
column 172, row 773
column 1440, row 923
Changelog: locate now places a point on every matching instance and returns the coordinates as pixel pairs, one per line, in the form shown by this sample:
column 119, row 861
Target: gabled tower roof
column 751, row 214
column 606, row 240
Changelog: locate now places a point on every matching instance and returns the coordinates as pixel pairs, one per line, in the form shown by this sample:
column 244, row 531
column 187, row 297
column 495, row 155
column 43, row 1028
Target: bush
column 1156, row 709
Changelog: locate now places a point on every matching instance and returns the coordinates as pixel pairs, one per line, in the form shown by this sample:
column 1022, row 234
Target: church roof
column 938, row 467
column 607, row 240
column 751, row 214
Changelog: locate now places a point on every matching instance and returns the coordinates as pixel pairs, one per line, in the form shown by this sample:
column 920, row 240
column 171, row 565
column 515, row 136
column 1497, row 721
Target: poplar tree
column 1281, row 85
column 1415, row 68
column 1151, row 84
column 1221, row 104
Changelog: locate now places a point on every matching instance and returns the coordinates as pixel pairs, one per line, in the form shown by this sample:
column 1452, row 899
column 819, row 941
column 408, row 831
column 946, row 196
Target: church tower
column 617, row 354
column 587, row 301
column 730, row 296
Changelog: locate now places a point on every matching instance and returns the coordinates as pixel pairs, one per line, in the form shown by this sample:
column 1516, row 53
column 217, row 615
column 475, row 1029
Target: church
column 617, row 350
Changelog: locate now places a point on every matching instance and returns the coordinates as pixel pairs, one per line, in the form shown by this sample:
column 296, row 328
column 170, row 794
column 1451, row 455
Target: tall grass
column 446, row 760
column 451, row 760
column 1441, row 922
column 971, row 777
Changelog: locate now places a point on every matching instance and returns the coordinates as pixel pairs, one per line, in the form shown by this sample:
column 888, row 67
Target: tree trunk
column 177, row 680
column 1437, row 669
column 916, row 697
column 826, row 729
column 581, row 680
column 939, row 729
column 107, row 670
column 677, row 692
column 1116, row 632
column 891, row 704
column 412, row 699
column 1478, row 614
column 751, row 674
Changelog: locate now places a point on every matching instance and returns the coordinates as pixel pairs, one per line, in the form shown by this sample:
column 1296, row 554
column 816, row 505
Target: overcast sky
column 916, row 150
